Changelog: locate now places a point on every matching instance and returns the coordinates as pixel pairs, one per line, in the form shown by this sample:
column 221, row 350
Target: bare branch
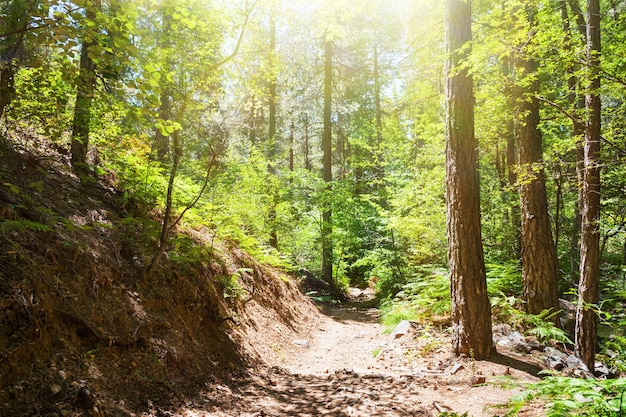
column 239, row 40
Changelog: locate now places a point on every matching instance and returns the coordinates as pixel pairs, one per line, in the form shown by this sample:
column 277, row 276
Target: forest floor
column 346, row 364
column 84, row 331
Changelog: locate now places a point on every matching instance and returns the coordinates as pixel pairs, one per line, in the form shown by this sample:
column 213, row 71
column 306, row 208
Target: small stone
column 456, row 368
column 301, row 343
column 55, row 389
column 401, row 329
column 477, row 380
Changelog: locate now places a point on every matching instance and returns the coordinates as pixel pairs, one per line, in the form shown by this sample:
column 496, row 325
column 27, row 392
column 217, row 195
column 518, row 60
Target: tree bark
column 471, row 312
column 327, row 228
column 271, row 152
column 85, row 89
column 589, row 287
column 540, row 278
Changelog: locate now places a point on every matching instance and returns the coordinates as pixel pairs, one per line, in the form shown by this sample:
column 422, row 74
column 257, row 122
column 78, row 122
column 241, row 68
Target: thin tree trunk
column 306, row 145
column 576, row 102
column 271, row 153
column 161, row 141
column 85, row 89
column 291, row 145
column 167, row 216
column 589, row 287
column 327, row 228
column 471, row 312
column 379, row 168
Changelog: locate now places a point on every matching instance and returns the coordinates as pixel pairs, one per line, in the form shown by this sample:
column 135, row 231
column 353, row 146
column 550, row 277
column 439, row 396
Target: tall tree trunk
column 306, row 145
column 540, row 279
column 577, row 103
column 471, row 312
column 327, row 227
column 511, row 193
column 291, row 145
column 18, row 15
column 380, row 157
column 271, row 151
column 589, row 287
column 85, row 89
column 162, row 141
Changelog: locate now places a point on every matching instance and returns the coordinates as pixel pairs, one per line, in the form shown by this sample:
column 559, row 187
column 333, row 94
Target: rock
column 521, row 347
column 310, row 282
column 401, row 329
column 567, row 316
column 456, row 368
column 578, row 367
column 301, row 343
column 503, row 329
column 601, row 369
column 501, row 333
column 517, row 342
column 55, row 389
column 477, row 380
column 535, row 344
column 554, row 359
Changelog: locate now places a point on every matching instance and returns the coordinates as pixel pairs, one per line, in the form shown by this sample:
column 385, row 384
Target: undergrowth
column 566, row 396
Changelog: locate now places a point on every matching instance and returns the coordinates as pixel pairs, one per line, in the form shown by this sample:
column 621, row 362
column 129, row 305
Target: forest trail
column 349, row 366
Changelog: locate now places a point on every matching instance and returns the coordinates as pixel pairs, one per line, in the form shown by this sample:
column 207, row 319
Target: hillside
column 82, row 325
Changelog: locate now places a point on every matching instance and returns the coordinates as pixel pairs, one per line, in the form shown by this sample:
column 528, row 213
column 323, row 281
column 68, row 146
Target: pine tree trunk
column 327, row 228
column 589, row 287
column 471, row 312
column 271, row 152
column 539, row 264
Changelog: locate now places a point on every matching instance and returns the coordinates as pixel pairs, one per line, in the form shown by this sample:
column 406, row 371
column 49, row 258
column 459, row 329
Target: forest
column 463, row 158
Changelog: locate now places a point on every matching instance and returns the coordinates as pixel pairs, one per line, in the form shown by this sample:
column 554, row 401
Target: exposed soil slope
column 82, row 326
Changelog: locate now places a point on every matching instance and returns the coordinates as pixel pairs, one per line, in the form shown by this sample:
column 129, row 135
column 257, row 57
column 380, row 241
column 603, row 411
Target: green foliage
column 425, row 296
column 575, row 397
column 505, row 278
column 231, row 286
column 21, row 226
column 142, row 180
column 543, row 328
column 44, row 99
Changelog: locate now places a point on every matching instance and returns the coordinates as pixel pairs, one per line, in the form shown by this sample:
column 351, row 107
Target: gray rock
column 535, row 344
column 517, row 342
column 554, row 358
column 301, row 343
column 567, row 316
column 401, row 329
column 503, row 329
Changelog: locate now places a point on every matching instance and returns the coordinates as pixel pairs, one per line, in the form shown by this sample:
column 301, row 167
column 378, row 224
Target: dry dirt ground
column 346, row 364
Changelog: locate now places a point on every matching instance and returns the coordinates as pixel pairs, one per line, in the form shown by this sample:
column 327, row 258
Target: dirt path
column 348, row 366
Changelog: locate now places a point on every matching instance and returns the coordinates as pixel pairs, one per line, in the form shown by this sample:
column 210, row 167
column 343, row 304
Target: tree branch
column 566, row 113
column 239, row 40
column 24, row 30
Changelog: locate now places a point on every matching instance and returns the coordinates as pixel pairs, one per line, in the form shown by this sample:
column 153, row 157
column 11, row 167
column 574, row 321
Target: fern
column 575, row 397
column 543, row 327
column 22, row 226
